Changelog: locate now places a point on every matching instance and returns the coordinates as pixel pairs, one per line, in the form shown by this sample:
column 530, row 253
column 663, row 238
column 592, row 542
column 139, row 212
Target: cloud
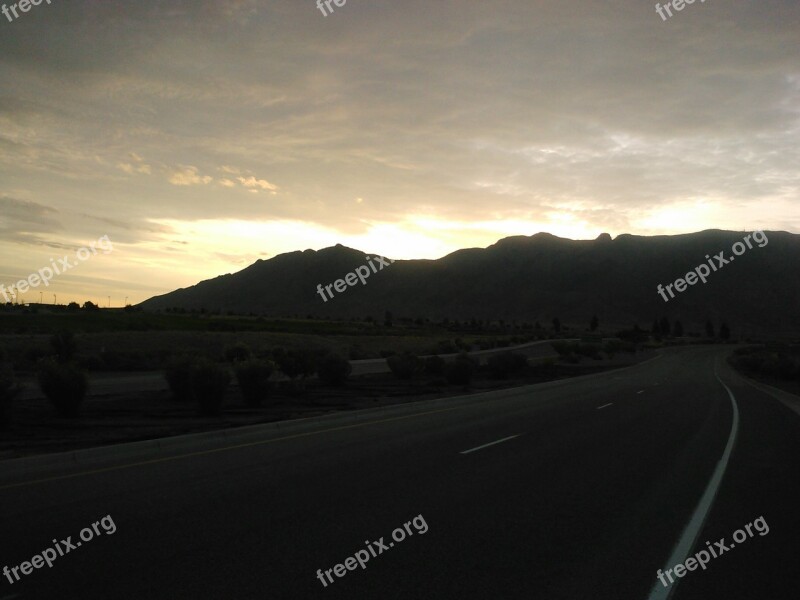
column 131, row 169
column 252, row 182
column 189, row 176
column 26, row 222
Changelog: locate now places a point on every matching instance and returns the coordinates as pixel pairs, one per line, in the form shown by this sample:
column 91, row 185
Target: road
column 576, row 489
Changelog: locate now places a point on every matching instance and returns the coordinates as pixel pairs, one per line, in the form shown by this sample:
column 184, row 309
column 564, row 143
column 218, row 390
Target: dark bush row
column 767, row 364
column 9, row 389
column 200, row 381
column 64, row 385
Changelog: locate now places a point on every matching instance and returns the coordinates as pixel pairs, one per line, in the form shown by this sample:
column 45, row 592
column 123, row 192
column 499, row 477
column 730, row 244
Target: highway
column 575, row 489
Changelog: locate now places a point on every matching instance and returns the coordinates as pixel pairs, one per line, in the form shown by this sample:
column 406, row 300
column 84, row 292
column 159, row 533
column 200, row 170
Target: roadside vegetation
column 770, row 363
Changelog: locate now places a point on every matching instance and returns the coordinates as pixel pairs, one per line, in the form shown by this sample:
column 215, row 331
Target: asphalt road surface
column 577, row 489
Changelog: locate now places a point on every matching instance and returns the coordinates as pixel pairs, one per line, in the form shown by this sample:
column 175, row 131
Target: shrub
column 209, row 383
column 446, row 347
column 64, row 385
column 589, row 350
column 63, row 344
column 237, row 352
column 434, row 365
column 612, row 347
column 460, row 371
column 546, row 369
column 301, row 362
column 404, row 365
column 505, row 364
column 179, row 373
column 9, row 389
column 334, row 370
column 565, row 348
column 253, row 378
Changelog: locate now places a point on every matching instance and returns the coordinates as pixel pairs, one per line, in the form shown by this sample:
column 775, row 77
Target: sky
column 198, row 136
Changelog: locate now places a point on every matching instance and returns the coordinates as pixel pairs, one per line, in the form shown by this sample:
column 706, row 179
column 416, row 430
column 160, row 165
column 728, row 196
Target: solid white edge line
column 604, row 405
column 695, row 525
column 505, row 439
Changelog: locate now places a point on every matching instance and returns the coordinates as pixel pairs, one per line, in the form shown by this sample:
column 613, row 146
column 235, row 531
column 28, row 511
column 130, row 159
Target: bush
column 179, row 372
column 612, row 347
column 404, row 366
column 565, row 348
column 253, row 378
column 547, row 369
column 460, row 371
column 446, row 347
column 501, row 366
column 209, row 383
column 64, row 385
column 63, row 344
column 9, row 389
column 334, row 370
column 237, row 352
column 589, row 350
column 301, row 362
column 434, row 365
column 764, row 363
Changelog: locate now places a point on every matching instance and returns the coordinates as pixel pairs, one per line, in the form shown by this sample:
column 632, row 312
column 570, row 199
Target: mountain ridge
column 525, row 278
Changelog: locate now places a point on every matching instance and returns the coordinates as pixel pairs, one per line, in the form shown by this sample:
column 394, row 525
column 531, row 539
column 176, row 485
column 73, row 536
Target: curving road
column 575, row 489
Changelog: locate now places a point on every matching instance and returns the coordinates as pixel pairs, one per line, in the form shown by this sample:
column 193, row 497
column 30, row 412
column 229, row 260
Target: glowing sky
column 202, row 135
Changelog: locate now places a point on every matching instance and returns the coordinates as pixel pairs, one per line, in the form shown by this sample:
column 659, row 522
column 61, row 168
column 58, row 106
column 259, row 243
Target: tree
column 656, row 328
column 709, row 328
column 724, row 331
column 557, row 325
column 594, row 323
column 665, row 326
column 88, row 305
column 677, row 329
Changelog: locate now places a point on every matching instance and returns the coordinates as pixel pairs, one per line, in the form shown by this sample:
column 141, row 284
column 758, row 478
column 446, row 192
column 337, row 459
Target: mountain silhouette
column 528, row 278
